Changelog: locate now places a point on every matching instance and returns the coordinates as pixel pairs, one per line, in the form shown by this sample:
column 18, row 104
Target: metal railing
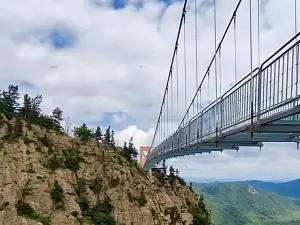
column 275, row 90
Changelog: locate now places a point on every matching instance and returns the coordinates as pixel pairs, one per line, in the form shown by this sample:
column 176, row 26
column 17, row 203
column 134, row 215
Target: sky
column 105, row 62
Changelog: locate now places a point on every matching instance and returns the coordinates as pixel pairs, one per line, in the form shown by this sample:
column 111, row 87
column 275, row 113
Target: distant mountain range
column 222, row 180
column 290, row 188
column 252, row 202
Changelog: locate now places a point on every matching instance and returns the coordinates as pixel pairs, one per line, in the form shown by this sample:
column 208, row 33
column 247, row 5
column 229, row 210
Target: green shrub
column 174, row 214
column 200, row 213
column 96, row 185
column 99, row 218
column 72, row 159
column 114, row 182
column 104, row 207
column 12, row 137
column 57, row 195
column 24, row 209
column 99, row 214
column 9, row 128
column 55, row 162
column 27, row 140
column 181, row 181
column 45, row 140
column 18, row 126
column 142, row 200
column 81, row 187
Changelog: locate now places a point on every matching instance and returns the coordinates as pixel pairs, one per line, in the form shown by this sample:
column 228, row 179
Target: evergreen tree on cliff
column 36, row 105
column 57, row 118
column 129, row 151
column 3, row 104
column 113, row 142
column 107, row 137
column 133, row 152
column 98, row 134
column 26, row 108
column 11, row 98
column 172, row 171
column 83, row 132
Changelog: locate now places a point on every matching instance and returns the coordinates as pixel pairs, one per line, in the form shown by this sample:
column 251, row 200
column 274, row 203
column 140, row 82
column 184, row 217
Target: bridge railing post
column 259, row 92
column 221, row 116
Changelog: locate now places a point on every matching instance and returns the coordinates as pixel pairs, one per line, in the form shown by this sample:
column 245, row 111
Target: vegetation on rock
column 200, row 214
column 94, row 174
column 24, row 209
column 57, row 195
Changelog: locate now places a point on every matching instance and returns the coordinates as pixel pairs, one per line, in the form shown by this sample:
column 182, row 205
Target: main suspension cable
column 196, row 38
column 172, row 61
column 167, row 121
column 295, row 3
column 235, row 49
column 177, row 119
column 172, row 113
column 216, row 71
column 184, row 47
column 258, row 31
column 220, row 87
column 251, row 68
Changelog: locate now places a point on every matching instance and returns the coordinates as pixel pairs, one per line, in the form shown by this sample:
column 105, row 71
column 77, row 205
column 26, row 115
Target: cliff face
column 51, row 178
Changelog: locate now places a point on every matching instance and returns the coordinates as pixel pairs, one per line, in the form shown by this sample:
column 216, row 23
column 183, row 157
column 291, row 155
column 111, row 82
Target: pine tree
column 83, row 132
column 98, row 134
column 57, row 118
column 11, row 98
column 171, row 171
column 191, row 185
column 113, row 143
column 26, row 109
column 132, row 151
column 164, row 167
column 36, row 104
column 125, row 146
column 126, row 151
column 107, row 138
column 3, row 104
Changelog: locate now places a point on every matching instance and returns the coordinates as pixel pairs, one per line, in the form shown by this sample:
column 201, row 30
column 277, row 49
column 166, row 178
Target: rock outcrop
column 51, row 178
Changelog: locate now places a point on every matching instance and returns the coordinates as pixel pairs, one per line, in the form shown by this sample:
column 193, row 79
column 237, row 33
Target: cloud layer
column 106, row 62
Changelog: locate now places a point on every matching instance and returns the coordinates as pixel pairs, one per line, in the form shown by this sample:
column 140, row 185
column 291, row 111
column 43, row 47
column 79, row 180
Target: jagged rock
column 61, row 217
column 71, row 206
column 23, row 168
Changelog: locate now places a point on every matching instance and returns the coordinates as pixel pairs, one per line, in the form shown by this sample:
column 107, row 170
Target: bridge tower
column 144, row 150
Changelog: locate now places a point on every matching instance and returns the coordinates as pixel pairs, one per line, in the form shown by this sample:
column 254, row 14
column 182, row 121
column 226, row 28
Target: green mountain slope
column 234, row 204
column 290, row 188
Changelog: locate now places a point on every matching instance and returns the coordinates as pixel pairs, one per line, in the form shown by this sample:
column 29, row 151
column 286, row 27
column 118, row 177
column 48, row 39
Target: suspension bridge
column 263, row 106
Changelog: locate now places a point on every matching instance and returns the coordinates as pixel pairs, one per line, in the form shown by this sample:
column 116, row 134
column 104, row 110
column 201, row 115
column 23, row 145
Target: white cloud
column 121, row 60
column 140, row 137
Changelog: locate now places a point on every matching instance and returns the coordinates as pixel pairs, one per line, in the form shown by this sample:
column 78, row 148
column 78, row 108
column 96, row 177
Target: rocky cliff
column 47, row 177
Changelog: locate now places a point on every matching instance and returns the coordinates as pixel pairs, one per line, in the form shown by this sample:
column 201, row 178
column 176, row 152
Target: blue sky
column 107, row 63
